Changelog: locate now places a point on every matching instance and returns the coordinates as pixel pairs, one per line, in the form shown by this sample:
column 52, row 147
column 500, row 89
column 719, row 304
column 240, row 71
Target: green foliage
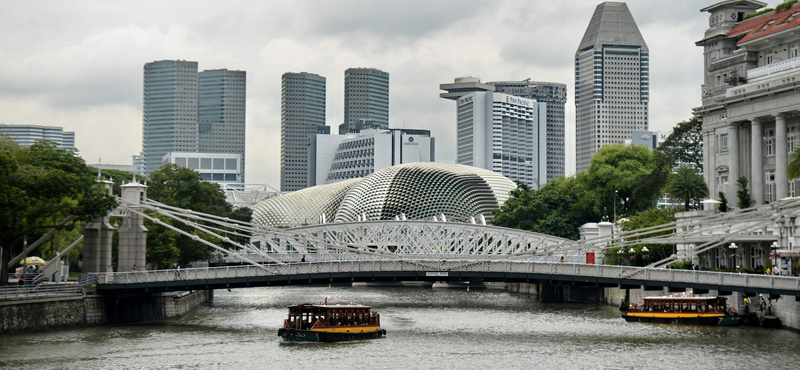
column 39, row 186
column 723, row 205
column 684, row 146
column 793, row 169
column 626, row 175
column 629, row 175
column 649, row 218
column 783, row 6
column 760, row 12
column 688, row 185
column 744, row 195
column 183, row 188
column 681, row 265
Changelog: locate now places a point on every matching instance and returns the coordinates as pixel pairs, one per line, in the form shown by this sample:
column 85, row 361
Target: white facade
column 343, row 157
column 504, row 134
column 220, row 168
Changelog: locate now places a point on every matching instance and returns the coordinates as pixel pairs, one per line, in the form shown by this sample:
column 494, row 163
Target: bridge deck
column 311, row 273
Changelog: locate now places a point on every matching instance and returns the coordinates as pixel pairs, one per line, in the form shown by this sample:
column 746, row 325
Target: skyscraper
column 366, row 98
column 612, row 69
column 170, row 110
column 302, row 116
column 221, row 112
column 555, row 96
column 26, row 135
column 502, row 133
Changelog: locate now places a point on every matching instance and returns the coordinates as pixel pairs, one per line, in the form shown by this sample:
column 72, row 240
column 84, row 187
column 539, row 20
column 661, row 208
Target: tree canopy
column 39, row 186
column 622, row 175
column 684, row 146
column 686, row 184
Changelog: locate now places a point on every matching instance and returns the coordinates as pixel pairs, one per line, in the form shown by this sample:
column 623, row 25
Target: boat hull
column 683, row 318
column 301, row 335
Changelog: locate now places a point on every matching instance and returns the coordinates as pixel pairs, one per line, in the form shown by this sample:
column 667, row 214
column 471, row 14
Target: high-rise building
column 221, row 113
column 344, row 157
column 612, row 69
column 170, row 110
column 366, row 97
column 503, row 133
column 555, row 96
column 26, row 135
column 302, row 117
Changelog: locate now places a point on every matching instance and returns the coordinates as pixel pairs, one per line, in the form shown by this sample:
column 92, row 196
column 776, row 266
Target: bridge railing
column 42, row 290
column 447, row 266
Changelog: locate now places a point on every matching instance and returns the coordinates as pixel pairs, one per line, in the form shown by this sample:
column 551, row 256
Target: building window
column 769, row 189
column 723, row 143
column 769, row 136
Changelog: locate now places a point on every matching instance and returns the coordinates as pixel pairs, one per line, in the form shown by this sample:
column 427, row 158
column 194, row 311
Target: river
column 426, row 329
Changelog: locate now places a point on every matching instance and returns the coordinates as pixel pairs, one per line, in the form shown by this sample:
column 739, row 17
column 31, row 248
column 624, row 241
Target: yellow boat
column 331, row 323
column 683, row 310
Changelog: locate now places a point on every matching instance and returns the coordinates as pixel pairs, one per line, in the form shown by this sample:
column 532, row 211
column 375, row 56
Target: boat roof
column 331, row 306
column 693, row 298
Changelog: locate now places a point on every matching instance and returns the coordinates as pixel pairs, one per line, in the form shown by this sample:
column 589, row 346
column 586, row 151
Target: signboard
column 437, row 273
column 590, row 258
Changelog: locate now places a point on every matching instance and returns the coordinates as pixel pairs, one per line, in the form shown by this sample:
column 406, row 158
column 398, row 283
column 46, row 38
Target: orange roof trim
column 760, row 26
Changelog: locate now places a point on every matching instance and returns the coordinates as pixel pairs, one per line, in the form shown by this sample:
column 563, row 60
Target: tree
column 39, row 186
column 686, row 184
column 723, row 202
column 793, row 169
column 684, row 146
column 182, row 187
column 644, row 219
column 744, row 195
column 623, row 175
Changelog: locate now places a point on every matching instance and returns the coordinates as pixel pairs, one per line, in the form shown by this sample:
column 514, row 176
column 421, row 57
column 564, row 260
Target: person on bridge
column 303, row 259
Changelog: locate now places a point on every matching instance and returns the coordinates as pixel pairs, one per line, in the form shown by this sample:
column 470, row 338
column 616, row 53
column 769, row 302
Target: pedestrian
column 746, row 305
column 769, row 307
column 177, row 268
column 763, row 304
column 134, row 268
column 303, row 259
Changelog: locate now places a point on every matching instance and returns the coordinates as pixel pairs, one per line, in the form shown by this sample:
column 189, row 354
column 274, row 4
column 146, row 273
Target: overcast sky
column 78, row 64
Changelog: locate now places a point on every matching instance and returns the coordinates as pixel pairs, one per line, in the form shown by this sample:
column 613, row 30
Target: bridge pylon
column 97, row 235
column 132, row 233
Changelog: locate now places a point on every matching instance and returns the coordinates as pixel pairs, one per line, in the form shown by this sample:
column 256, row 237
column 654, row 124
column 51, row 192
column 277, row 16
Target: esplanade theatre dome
column 418, row 190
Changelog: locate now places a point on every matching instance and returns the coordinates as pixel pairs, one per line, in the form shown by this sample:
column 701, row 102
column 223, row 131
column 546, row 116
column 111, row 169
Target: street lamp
column 616, row 194
column 620, row 252
column 633, row 255
column 774, row 255
column 733, row 247
column 645, row 256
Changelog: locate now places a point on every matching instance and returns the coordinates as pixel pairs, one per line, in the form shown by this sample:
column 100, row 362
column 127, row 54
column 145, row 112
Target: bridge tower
column 97, row 236
column 132, row 233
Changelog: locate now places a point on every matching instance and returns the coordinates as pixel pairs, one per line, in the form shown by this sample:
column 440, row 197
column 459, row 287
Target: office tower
column 503, row 133
column 221, row 113
column 611, row 82
column 344, row 157
column 555, row 96
column 366, row 97
column 26, row 135
column 170, row 110
column 302, row 117
column 749, row 102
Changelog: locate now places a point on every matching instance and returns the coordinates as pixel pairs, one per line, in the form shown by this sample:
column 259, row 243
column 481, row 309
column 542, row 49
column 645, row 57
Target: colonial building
column 750, row 98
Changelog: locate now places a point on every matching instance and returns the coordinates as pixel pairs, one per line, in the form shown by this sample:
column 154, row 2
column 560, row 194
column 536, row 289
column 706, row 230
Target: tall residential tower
column 366, row 100
column 612, row 69
column 302, row 117
column 221, row 112
column 170, row 110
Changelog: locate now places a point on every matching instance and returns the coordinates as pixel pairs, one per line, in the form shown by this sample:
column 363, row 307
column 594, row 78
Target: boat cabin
column 307, row 316
column 681, row 304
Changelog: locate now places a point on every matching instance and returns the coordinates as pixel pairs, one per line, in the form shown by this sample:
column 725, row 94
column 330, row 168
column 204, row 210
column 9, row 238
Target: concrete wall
column 51, row 313
column 559, row 293
column 33, row 315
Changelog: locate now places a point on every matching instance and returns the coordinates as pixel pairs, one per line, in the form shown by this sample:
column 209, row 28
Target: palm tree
column 686, row 184
column 793, row 170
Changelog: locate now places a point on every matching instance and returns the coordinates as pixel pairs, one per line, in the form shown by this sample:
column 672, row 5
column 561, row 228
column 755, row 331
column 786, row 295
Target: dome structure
column 418, row 190
column 423, row 190
column 303, row 206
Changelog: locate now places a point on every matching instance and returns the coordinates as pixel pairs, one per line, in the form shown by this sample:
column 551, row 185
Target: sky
column 79, row 64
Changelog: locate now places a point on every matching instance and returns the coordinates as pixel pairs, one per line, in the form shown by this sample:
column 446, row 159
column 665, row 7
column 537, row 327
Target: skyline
column 80, row 65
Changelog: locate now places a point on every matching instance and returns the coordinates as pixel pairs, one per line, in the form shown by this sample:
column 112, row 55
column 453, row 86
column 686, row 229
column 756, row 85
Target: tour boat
column 331, row 323
column 683, row 310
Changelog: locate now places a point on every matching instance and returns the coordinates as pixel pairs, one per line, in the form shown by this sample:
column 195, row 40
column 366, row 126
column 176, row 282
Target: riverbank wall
column 34, row 315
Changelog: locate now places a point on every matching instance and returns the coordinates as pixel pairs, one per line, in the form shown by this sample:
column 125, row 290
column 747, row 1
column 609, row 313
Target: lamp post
column 620, row 252
column 633, row 255
column 774, row 256
column 616, row 194
column 645, row 255
column 733, row 248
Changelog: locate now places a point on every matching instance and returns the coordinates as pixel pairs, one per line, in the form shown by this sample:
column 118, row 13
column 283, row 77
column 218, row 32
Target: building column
column 757, row 172
column 781, row 158
column 708, row 170
column 733, row 160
